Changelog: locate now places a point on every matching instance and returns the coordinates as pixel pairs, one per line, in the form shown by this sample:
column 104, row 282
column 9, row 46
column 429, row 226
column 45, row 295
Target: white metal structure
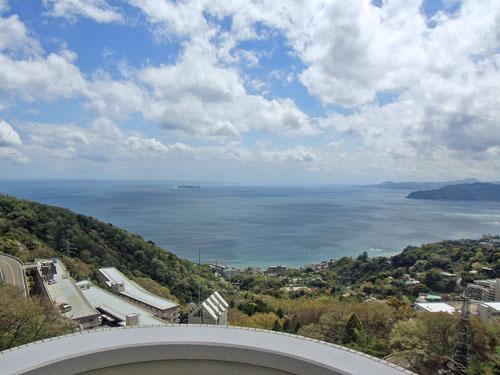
column 211, row 311
column 181, row 349
column 121, row 284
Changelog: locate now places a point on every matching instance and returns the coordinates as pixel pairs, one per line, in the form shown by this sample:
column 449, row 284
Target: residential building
column 489, row 311
column 118, row 283
column 217, row 269
column 434, row 307
column 211, row 311
column 276, row 270
column 116, row 311
column 229, row 273
column 484, row 290
column 428, row 298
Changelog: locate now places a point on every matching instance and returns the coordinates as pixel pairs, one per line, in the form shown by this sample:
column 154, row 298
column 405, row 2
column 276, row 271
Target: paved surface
column 139, row 348
column 65, row 291
column 12, row 273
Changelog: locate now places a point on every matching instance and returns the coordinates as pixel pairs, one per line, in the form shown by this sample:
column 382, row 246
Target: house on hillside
column 211, row 311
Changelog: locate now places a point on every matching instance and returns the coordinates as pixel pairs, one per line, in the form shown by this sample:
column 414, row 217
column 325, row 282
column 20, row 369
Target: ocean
column 262, row 226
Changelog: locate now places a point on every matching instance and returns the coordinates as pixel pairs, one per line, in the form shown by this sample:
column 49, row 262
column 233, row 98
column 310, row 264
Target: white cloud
column 45, row 78
column 296, row 154
column 11, row 144
column 98, row 10
column 148, row 147
column 14, row 36
column 114, row 98
column 441, row 83
column 8, row 136
column 199, row 97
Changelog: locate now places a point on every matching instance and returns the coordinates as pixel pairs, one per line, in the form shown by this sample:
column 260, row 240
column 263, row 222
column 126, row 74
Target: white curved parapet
column 186, row 349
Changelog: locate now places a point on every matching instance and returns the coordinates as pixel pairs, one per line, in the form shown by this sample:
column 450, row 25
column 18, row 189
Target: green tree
column 352, row 329
column 276, row 325
column 25, row 320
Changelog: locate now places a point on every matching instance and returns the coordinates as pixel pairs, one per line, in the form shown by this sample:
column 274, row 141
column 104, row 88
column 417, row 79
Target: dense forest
column 361, row 302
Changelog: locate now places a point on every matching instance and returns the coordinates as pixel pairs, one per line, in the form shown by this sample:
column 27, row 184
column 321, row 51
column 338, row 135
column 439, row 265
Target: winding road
column 12, row 273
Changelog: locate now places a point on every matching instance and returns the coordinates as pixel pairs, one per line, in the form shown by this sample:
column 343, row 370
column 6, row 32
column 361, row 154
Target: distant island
column 479, row 191
column 187, row 187
column 416, row 185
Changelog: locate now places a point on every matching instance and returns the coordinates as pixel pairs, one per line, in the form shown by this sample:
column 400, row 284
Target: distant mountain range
column 414, row 185
column 478, row 191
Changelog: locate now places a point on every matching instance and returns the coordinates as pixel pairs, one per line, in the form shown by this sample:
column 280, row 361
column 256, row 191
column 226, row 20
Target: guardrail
column 21, row 264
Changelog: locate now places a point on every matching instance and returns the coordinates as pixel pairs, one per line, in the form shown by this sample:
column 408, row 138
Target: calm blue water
column 267, row 225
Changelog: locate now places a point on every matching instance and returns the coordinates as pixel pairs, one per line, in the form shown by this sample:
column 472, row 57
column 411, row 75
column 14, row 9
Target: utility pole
column 199, row 274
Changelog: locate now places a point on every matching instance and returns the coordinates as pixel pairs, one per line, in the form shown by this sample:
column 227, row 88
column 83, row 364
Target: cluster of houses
column 484, row 296
column 117, row 300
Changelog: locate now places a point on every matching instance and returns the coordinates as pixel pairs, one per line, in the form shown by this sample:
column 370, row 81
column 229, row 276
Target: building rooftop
column 134, row 291
column 436, row 307
column 116, row 306
column 215, row 305
column 65, row 291
column 493, row 305
column 215, row 349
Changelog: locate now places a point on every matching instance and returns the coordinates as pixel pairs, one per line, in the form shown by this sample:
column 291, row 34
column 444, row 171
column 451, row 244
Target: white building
column 126, row 288
column 434, row 307
column 63, row 292
column 115, row 310
column 232, row 272
column 484, row 290
column 211, row 311
column 488, row 311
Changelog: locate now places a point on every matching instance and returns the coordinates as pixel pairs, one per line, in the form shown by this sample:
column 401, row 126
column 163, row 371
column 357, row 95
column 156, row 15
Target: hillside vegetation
column 30, row 230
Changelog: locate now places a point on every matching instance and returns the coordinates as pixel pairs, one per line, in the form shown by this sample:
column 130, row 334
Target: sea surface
column 263, row 226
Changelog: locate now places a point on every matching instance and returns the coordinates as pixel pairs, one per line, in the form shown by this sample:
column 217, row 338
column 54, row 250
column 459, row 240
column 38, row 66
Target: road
column 12, row 273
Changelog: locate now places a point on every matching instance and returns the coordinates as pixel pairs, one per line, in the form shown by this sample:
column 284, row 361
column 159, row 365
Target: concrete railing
column 189, row 348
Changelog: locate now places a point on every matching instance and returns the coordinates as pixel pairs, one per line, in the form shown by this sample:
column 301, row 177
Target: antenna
column 199, row 271
column 458, row 363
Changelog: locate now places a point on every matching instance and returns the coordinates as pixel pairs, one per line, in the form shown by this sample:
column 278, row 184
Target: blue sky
column 277, row 92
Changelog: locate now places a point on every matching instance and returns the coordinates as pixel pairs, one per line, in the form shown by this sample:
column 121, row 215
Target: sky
column 250, row 92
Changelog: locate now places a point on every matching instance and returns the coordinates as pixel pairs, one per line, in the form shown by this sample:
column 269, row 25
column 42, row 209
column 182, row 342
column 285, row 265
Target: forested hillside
column 30, row 229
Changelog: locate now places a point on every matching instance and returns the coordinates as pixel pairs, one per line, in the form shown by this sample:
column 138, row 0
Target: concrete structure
column 484, row 290
column 229, row 273
column 276, row 270
column 181, row 349
column 63, row 292
column 126, row 288
column 489, row 311
column 116, row 311
column 434, row 307
column 12, row 273
column 211, row 311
